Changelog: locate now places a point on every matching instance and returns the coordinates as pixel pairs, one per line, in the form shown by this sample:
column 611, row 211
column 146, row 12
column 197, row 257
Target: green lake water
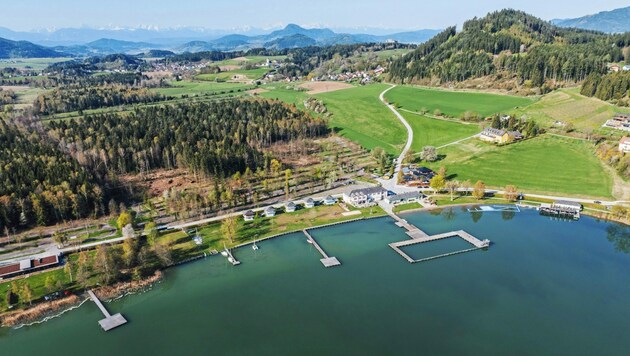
column 543, row 287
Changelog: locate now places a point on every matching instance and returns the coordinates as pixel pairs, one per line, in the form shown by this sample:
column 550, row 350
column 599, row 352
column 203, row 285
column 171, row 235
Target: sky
column 229, row 14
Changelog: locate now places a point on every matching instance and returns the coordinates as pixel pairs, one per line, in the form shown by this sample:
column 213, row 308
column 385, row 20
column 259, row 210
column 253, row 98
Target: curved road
column 391, row 183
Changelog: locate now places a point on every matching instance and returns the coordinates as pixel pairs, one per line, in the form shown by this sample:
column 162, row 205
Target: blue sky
column 226, row 14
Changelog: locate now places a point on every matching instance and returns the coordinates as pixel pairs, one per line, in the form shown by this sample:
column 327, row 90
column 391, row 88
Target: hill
column 511, row 47
column 614, row 21
column 293, row 41
column 24, row 49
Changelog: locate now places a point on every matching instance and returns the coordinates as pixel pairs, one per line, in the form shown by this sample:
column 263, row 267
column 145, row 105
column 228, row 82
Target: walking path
column 456, row 142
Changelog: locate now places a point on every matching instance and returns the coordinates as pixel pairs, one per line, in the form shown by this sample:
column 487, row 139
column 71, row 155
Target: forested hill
column 511, row 44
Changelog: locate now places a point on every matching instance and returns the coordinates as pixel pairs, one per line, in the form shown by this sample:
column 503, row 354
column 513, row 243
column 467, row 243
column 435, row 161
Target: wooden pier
column 327, row 261
column 110, row 321
column 478, row 244
column 412, row 231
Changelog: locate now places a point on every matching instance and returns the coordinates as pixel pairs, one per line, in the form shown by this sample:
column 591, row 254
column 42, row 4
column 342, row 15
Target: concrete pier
column 478, row 244
column 327, row 261
column 110, row 321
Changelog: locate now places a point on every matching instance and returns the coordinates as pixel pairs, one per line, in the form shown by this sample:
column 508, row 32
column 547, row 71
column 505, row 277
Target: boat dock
column 231, row 258
column 478, row 244
column 327, row 261
column 412, row 231
column 110, row 321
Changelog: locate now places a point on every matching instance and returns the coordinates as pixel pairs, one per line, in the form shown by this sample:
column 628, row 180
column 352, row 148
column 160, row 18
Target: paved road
column 391, row 184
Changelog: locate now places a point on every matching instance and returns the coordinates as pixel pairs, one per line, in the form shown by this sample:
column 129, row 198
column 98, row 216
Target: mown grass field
column 360, row 116
column 453, row 103
column 435, row 132
column 568, row 106
column 545, row 164
column 287, row 93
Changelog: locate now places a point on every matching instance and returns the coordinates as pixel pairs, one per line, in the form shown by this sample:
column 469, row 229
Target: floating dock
column 412, row 231
column 110, row 321
column 327, row 261
column 477, row 244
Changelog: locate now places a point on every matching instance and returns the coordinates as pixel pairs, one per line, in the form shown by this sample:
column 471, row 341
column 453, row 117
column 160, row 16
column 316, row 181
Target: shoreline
column 41, row 312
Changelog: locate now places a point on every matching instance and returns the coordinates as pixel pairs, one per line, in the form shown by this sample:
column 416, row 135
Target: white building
column 270, row 211
column 624, row 145
column 249, row 215
column 567, row 205
column 360, row 198
column 404, row 198
column 290, row 207
column 329, row 200
column 309, row 203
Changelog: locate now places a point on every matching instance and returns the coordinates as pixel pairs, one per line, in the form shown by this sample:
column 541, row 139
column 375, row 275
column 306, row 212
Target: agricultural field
column 288, row 93
column 429, row 131
column 30, row 63
column 189, row 88
column 453, row 103
column 568, row 106
column 235, row 75
column 546, row 164
column 359, row 115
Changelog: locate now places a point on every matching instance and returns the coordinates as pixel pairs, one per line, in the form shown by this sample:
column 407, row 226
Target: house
column 290, row 207
column 364, row 197
column 626, row 67
column 404, row 198
column 249, row 215
column 567, row 205
column 624, row 144
column 417, row 177
column 329, row 200
column 28, row 265
column 309, row 203
column 515, row 136
column 269, row 211
column 613, row 68
column 493, row 135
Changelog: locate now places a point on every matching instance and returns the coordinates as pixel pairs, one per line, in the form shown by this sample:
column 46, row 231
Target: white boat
column 224, row 253
column 309, row 241
column 231, row 259
column 254, row 247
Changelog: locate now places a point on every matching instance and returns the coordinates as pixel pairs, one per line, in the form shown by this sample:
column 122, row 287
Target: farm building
column 619, row 122
column 364, row 197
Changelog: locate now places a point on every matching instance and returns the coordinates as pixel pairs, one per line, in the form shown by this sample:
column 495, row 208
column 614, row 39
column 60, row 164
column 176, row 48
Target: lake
column 543, row 287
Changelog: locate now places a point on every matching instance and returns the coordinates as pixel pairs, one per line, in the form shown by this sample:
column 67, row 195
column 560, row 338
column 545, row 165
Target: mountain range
column 182, row 40
column 614, row 21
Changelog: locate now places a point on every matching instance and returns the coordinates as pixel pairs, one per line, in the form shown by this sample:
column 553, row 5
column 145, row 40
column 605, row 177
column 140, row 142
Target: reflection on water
column 619, row 236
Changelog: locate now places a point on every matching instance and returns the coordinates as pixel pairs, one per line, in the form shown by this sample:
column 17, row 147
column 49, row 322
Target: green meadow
column 32, row 63
column 546, row 164
column 251, row 74
column 428, row 131
column 359, row 115
column 200, row 88
column 453, row 103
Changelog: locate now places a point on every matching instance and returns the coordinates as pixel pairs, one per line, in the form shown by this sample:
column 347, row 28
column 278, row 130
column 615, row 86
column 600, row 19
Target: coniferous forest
column 59, row 173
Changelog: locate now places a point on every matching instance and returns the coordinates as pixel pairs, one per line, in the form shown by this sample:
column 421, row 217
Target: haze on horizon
column 27, row 15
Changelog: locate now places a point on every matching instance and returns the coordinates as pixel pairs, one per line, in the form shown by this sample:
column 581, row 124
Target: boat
column 231, row 260
column 254, row 246
column 224, row 253
column 309, row 241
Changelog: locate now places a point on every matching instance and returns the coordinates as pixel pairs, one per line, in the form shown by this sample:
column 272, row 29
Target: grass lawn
column 360, row 116
column 567, row 105
column 288, row 94
column 544, row 164
column 453, row 103
column 435, row 132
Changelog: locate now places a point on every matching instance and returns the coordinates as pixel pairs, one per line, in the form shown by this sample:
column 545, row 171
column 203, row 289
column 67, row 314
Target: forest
column 83, row 98
column 513, row 41
column 613, row 86
column 39, row 184
column 213, row 139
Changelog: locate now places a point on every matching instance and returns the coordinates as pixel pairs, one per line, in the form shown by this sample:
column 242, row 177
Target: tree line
column 613, row 86
column 83, row 98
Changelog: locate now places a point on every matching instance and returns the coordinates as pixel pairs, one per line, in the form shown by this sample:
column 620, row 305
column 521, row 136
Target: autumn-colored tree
column 228, row 228
column 124, row 219
column 479, row 190
column 437, row 183
column 452, row 187
column 511, row 193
